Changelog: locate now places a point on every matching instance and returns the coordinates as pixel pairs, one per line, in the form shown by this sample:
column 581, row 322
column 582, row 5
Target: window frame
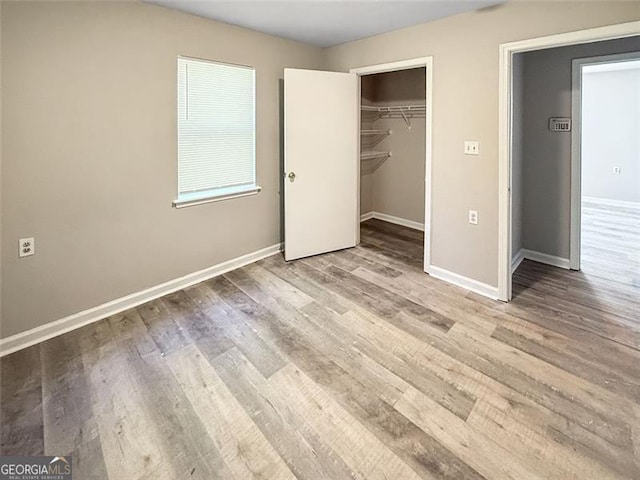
column 221, row 193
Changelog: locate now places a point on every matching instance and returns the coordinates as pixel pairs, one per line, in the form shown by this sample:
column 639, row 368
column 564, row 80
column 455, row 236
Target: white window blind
column 216, row 129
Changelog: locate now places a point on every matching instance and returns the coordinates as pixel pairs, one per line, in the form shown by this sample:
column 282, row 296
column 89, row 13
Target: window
column 216, row 131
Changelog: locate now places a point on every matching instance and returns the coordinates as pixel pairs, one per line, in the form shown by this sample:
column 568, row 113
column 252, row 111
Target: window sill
column 191, row 201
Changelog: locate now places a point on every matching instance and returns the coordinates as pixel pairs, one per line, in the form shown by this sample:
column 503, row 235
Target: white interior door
column 321, row 122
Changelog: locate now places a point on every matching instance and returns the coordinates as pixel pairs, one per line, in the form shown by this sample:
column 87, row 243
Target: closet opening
column 395, row 159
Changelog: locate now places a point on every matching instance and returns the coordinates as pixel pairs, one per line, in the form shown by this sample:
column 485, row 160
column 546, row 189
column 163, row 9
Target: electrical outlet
column 473, row 217
column 26, row 247
column 617, row 170
column 471, row 148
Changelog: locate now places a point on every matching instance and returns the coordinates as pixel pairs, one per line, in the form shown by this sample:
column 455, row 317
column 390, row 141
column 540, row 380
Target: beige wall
column 89, row 150
column 366, row 193
column 546, row 169
column 465, row 107
column 397, row 186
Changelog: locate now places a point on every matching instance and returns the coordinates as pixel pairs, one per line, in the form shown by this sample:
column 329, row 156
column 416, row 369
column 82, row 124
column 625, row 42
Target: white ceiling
column 325, row 23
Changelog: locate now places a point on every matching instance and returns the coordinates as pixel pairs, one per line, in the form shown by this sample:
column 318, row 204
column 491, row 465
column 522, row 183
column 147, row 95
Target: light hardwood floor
column 353, row 364
column 610, row 244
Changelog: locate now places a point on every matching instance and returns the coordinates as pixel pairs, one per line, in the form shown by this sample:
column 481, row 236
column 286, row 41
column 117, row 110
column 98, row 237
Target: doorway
column 605, row 232
column 506, row 256
column 395, row 105
column 321, row 187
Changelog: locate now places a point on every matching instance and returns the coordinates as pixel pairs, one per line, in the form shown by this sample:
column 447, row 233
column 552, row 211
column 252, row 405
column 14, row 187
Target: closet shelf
column 405, row 112
column 371, row 138
column 373, row 154
column 371, row 160
column 394, row 108
column 375, row 132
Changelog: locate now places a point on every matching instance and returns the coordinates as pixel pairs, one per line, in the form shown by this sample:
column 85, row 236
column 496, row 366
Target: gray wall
column 546, row 171
column 397, row 187
column 611, row 134
column 517, row 155
column 465, row 107
column 89, row 153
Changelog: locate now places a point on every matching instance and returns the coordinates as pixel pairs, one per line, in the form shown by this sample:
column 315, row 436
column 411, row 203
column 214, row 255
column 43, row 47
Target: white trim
column 612, row 203
column 58, row 327
column 589, row 35
column 391, row 66
column 517, row 260
column 367, row 216
column 507, row 50
column 576, row 145
column 426, row 62
column 428, row 236
column 504, row 174
column 464, row 282
column 576, row 166
column 241, row 192
column 545, row 258
column 359, row 162
column 391, row 219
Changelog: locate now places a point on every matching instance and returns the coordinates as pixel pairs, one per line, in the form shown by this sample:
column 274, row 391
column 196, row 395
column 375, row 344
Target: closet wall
column 396, row 187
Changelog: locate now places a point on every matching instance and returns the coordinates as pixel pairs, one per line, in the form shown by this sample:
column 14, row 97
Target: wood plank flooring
column 353, row 364
column 610, row 244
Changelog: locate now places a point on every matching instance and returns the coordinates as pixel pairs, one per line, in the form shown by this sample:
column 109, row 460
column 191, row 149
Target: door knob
column 292, row 176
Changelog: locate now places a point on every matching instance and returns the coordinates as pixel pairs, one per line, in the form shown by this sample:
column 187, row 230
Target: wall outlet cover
column 26, row 247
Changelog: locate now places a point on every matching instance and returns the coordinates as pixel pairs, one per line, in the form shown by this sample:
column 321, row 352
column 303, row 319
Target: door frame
column 426, row 62
column 505, row 124
column 576, row 145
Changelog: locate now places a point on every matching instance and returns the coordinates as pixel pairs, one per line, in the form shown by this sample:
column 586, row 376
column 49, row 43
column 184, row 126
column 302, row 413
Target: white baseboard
column 391, row 219
column 366, row 216
column 58, row 327
column 464, row 282
column 546, row 259
column 517, row 260
column 612, row 203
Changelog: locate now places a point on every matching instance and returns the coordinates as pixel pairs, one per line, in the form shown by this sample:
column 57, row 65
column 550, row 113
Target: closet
column 392, row 147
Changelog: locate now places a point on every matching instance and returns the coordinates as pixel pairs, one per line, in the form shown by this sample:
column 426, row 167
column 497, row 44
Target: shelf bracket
column 406, row 120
